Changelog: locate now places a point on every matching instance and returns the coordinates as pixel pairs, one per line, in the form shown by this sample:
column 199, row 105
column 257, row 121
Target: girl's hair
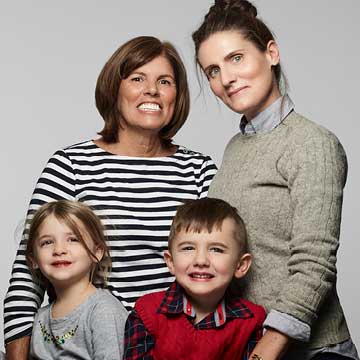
column 235, row 15
column 70, row 213
column 128, row 57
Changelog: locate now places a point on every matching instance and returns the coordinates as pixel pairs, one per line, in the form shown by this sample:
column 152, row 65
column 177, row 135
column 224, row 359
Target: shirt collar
column 269, row 118
column 176, row 302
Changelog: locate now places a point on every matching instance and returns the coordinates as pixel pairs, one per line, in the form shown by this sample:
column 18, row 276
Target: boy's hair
column 68, row 212
column 205, row 214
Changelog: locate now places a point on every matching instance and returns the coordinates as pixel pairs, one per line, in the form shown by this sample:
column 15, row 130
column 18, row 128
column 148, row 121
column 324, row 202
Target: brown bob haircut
column 205, row 215
column 69, row 212
column 128, row 57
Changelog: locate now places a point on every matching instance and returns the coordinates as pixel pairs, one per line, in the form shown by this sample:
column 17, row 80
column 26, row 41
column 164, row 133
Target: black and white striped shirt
column 135, row 197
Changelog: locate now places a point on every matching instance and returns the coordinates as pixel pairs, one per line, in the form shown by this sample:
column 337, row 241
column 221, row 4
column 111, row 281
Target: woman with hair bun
column 285, row 175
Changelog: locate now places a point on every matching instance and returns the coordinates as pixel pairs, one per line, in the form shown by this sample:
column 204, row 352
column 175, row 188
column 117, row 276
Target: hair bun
column 240, row 5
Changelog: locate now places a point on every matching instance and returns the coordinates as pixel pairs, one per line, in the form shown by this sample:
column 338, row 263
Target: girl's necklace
column 57, row 340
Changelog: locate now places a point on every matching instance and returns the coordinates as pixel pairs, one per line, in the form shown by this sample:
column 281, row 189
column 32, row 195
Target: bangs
column 139, row 55
column 199, row 225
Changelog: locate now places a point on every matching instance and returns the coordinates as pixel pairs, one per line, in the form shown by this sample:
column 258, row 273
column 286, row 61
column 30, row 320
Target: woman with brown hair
column 133, row 177
column 285, row 175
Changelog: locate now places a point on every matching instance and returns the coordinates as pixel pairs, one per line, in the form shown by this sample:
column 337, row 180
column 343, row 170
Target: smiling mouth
column 61, row 263
column 236, row 91
column 149, row 107
column 201, row 276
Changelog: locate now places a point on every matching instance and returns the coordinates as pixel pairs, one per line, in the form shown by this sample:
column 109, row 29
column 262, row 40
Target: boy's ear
column 243, row 266
column 169, row 261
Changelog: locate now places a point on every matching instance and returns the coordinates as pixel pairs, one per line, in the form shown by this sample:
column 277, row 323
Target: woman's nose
column 227, row 77
column 152, row 89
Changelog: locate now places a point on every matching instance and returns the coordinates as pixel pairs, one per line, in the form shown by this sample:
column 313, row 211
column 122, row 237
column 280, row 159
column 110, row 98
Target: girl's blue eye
column 73, row 239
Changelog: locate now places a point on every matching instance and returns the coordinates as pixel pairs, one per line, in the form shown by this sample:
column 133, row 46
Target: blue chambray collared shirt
column 269, row 118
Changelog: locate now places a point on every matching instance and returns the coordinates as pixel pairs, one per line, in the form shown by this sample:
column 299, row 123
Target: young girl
column 285, row 175
column 67, row 251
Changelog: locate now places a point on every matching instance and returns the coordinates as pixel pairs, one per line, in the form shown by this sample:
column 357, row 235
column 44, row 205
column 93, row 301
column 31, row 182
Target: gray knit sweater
column 287, row 185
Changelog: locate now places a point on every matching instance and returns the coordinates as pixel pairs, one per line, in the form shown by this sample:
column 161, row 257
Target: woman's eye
column 137, row 79
column 164, row 82
column 213, row 72
column 237, row 58
column 167, row 82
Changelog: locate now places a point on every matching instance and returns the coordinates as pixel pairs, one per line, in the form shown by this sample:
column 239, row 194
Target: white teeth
column 149, row 106
column 201, row 276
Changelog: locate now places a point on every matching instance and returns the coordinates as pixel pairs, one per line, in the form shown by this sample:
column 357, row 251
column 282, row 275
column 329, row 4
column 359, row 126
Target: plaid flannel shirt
column 139, row 342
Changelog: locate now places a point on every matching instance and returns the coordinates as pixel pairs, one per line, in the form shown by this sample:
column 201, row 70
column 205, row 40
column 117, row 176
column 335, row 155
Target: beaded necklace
column 58, row 340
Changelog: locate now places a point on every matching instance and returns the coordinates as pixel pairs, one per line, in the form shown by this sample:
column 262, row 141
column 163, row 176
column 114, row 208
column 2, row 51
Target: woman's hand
column 272, row 346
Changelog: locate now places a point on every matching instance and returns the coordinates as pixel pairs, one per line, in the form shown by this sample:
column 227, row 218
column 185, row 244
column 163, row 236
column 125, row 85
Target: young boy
column 198, row 317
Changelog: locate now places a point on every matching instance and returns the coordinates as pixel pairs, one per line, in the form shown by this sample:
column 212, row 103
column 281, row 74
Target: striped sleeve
column 24, row 296
column 135, row 198
column 206, row 174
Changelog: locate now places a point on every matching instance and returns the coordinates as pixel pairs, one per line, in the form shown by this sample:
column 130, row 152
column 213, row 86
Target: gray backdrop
column 52, row 52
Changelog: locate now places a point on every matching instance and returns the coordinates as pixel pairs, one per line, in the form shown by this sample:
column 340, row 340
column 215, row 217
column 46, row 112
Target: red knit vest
column 177, row 338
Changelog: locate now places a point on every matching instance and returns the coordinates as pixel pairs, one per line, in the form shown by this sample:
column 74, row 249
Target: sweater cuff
column 288, row 325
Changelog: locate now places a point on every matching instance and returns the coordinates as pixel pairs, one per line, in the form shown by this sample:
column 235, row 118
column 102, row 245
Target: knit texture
column 287, row 185
column 177, row 338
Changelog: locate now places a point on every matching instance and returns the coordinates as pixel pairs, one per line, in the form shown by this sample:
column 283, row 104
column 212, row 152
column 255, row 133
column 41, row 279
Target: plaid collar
column 176, row 302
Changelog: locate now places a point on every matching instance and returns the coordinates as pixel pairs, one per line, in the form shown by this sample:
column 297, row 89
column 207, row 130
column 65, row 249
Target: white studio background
column 51, row 55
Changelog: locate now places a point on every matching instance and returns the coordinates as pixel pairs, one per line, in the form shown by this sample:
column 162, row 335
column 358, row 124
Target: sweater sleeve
column 24, row 296
column 316, row 170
